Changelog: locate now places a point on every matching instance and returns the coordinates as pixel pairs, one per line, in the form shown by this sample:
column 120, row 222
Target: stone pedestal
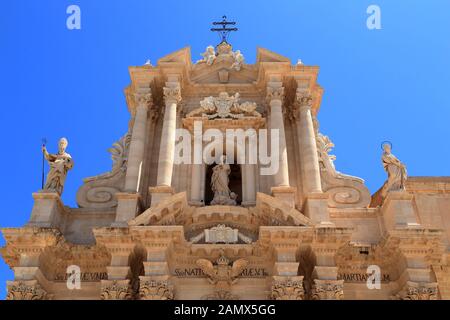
column 128, row 206
column 48, row 210
column 285, row 194
column 316, row 208
column 160, row 193
column 398, row 211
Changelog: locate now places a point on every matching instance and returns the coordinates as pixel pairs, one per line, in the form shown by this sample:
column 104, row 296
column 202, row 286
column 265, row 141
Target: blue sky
column 389, row 84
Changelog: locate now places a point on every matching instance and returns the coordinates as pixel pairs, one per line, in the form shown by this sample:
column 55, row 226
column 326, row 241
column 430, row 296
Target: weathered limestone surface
column 152, row 229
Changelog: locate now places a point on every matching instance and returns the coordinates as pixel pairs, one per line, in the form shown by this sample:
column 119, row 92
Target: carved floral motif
column 327, row 290
column 287, row 288
column 116, row 290
column 156, row 290
column 26, row 290
column 418, row 291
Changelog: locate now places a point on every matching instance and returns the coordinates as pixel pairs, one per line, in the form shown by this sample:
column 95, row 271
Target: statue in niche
column 219, row 184
column 395, row 169
column 208, row 56
column 60, row 163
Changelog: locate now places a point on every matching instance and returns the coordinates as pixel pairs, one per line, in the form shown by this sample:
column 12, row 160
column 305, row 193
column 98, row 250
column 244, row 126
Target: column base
column 48, row 210
column 128, row 206
column 285, row 194
column 195, row 203
column 316, row 208
column 160, row 193
column 398, row 211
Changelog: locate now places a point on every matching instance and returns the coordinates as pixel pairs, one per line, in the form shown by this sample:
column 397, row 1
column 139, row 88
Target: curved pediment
column 175, row 210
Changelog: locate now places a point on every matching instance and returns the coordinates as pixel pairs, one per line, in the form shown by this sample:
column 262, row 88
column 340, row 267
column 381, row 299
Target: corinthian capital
column 143, row 99
column 287, row 288
column 303, row 99
column 26, row 290
column 327, row 290
column 172, row 94
column 275, row 93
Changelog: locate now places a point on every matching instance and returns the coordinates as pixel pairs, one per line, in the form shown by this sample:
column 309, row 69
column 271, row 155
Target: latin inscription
column 197, row 272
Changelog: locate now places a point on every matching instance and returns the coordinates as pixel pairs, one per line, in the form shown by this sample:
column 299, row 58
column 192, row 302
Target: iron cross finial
column 225, row 30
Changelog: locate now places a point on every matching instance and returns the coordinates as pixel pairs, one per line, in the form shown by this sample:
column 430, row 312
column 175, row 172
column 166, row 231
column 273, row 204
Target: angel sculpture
column 208, row 56
column 222, row 274
column 238, row 60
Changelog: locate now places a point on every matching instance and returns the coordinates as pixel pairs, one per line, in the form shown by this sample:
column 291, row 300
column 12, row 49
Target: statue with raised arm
column 219, row 184
column 395, row 169
column 60, row 163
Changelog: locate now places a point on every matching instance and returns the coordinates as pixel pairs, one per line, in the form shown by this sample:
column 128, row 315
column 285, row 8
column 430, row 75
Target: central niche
column 235, row 183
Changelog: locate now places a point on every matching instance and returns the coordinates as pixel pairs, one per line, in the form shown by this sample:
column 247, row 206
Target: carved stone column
column 27, row 245
column 307, row 140
column 196, row 185
column 275, row 95
column 249, row 180
column 119, row 244
column 172, row 96
column 143, row 98
column 316, row 202
column 128, row 201
column 281, row 188
column 327, row 242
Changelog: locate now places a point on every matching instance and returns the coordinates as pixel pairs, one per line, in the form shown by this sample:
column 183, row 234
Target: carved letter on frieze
column 287, row 288
column 26, row 290
column 116, row 290
column 156, row 290
column 328, row 290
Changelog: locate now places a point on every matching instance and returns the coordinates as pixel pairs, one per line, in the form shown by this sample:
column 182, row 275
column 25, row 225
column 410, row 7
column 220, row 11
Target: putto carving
column 116, row 290
column 418, row 291
column 224, row 106
column 327, row 290
column 395, row 169
column 26, row 290
column 238, row 60
column 154, row 289
column 98, row 191
column 172, row 93
column 287, row 288
column 208, row 56
column 222, row 275
column 60, row 163
column 224, row 53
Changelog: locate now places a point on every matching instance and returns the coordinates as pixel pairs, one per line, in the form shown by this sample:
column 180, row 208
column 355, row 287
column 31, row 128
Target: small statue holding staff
column 60, row 163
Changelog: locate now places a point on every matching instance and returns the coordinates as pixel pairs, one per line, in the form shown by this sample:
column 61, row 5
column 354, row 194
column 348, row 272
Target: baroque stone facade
column 152, row 228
